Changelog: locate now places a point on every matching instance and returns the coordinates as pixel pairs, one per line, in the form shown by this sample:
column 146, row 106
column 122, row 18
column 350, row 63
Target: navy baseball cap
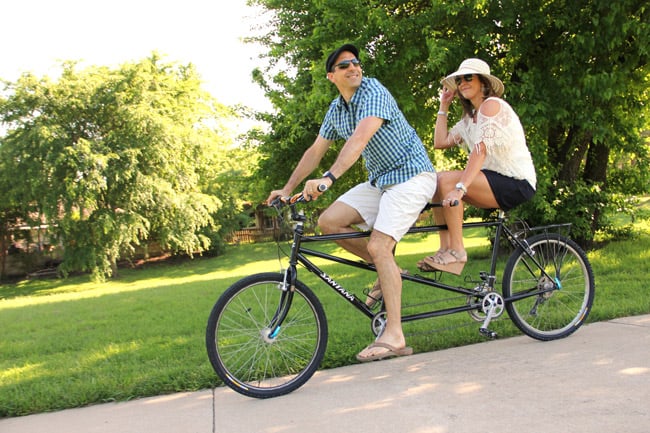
column 336, row 53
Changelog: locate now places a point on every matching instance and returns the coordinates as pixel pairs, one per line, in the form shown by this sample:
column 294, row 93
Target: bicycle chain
column 444, row 329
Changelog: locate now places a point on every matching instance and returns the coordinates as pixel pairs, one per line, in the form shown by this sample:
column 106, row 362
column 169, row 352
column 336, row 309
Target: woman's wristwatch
column 460, row 186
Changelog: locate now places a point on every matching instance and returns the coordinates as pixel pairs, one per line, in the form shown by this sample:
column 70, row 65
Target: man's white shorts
column 394, row 209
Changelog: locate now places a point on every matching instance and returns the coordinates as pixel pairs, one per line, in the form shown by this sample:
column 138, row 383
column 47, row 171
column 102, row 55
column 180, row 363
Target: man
column 401, row 180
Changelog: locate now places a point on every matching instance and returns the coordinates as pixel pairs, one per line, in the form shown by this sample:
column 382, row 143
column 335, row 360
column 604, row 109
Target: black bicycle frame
column 299, row 256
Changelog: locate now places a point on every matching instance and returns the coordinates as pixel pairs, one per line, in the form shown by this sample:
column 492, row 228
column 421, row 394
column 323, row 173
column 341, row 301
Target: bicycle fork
column 270, row 332
column 288, row 284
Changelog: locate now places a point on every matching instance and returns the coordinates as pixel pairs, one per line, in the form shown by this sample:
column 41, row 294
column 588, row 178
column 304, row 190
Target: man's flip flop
column 389, row 353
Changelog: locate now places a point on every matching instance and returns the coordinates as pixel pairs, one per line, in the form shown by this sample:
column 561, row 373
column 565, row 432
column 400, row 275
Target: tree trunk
column 4, row 246
column 597, row 163
column 114, row 268
column 555, row 142
column 573, row 151
column 596, row 173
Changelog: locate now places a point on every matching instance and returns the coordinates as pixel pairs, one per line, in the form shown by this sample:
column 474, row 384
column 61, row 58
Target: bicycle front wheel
column 548, row 308
column 253, row 353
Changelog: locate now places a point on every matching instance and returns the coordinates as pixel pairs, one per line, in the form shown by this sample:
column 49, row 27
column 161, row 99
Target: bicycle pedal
column 488, row 333
column 483, row 279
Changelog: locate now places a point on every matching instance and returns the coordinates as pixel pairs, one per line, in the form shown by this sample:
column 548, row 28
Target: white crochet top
column 504, row 140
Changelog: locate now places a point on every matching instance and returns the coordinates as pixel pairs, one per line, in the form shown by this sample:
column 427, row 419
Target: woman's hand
column 453, row 196
column 446, row 97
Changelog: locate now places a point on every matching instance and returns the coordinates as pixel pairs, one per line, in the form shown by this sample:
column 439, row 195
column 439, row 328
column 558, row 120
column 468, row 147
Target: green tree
column 231, row 184
column 113, row 158
column 9, row 217
column 576, row 72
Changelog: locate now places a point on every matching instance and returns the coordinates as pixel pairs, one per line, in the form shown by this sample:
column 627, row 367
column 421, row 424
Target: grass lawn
column 69, row 343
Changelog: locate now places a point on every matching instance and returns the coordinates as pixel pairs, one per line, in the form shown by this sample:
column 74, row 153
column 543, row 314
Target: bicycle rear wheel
column 543, row 308
column 253, row 356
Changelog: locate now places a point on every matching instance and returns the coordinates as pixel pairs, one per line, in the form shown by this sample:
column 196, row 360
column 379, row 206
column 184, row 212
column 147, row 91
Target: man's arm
column 358, row 141
column 348, row 155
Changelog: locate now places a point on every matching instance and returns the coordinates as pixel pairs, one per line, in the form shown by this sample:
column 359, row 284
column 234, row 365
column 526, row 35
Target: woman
column 499, row 171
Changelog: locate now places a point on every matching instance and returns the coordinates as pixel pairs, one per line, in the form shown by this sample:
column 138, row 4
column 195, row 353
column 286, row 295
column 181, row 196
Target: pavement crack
column 214, row 412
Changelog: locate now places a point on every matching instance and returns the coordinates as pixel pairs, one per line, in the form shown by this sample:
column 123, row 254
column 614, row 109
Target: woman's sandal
column 423, row 264
column 450, row 261
column 375, row 295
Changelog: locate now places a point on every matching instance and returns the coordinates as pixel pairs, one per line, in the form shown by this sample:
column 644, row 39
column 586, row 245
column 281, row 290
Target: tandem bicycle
column 267, row 333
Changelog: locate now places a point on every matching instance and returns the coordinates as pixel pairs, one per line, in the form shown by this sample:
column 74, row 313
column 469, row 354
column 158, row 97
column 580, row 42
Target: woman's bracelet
column 442, row 113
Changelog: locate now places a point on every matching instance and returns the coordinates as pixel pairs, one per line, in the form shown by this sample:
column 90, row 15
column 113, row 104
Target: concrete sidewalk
column 597, row 380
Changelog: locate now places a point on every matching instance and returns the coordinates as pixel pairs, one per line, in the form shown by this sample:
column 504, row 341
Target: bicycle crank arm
column 484, row 330
column 492, row 307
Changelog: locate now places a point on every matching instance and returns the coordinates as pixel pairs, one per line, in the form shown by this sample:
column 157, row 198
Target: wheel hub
column 378, row 323
column 268, row 335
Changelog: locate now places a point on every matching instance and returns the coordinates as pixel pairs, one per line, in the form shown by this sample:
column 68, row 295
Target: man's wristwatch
column 330, row 176
column 461, row 187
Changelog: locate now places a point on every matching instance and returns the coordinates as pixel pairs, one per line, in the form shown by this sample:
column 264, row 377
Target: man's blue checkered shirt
column 395, row 153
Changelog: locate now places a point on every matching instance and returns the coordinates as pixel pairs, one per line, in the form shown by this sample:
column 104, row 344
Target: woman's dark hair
column 488, row 91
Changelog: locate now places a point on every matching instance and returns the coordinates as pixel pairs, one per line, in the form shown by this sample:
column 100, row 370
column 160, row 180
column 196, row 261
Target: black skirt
column 508, row 191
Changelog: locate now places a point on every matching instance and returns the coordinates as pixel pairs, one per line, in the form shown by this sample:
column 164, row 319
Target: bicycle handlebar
column 439, row 204
column 280, row 202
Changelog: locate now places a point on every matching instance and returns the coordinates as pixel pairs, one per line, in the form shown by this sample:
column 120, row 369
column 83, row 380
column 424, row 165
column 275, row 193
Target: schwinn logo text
column 336, row 285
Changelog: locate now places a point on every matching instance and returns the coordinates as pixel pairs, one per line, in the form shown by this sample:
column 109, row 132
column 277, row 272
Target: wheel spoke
column 244, row 353
column 556, row 307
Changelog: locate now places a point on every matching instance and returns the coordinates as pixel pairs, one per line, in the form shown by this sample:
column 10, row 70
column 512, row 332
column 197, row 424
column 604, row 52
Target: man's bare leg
column 380, row 248
column 339, row 218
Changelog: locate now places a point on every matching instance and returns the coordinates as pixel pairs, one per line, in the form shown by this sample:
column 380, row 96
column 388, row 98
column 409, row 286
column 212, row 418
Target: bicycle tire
column 548, row 315
column 242, row 352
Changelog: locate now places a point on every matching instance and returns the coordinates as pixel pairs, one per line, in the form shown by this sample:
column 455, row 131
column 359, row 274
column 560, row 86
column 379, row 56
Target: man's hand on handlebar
column 314, row 188
column 278, row 193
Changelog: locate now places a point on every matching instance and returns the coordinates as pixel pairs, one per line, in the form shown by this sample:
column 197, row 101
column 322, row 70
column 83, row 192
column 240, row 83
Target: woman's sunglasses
column 346, row 63
column 467, row 77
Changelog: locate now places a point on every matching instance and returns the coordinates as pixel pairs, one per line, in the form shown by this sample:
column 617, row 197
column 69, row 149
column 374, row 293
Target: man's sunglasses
column 467, row 77
column 346, row 63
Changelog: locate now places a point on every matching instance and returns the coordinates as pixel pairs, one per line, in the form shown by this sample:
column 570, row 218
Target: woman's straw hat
column 474, row 66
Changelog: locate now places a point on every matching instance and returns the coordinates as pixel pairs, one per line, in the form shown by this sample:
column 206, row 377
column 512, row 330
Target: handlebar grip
column 280, row 201
column 439, row 204
column 322, row 187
